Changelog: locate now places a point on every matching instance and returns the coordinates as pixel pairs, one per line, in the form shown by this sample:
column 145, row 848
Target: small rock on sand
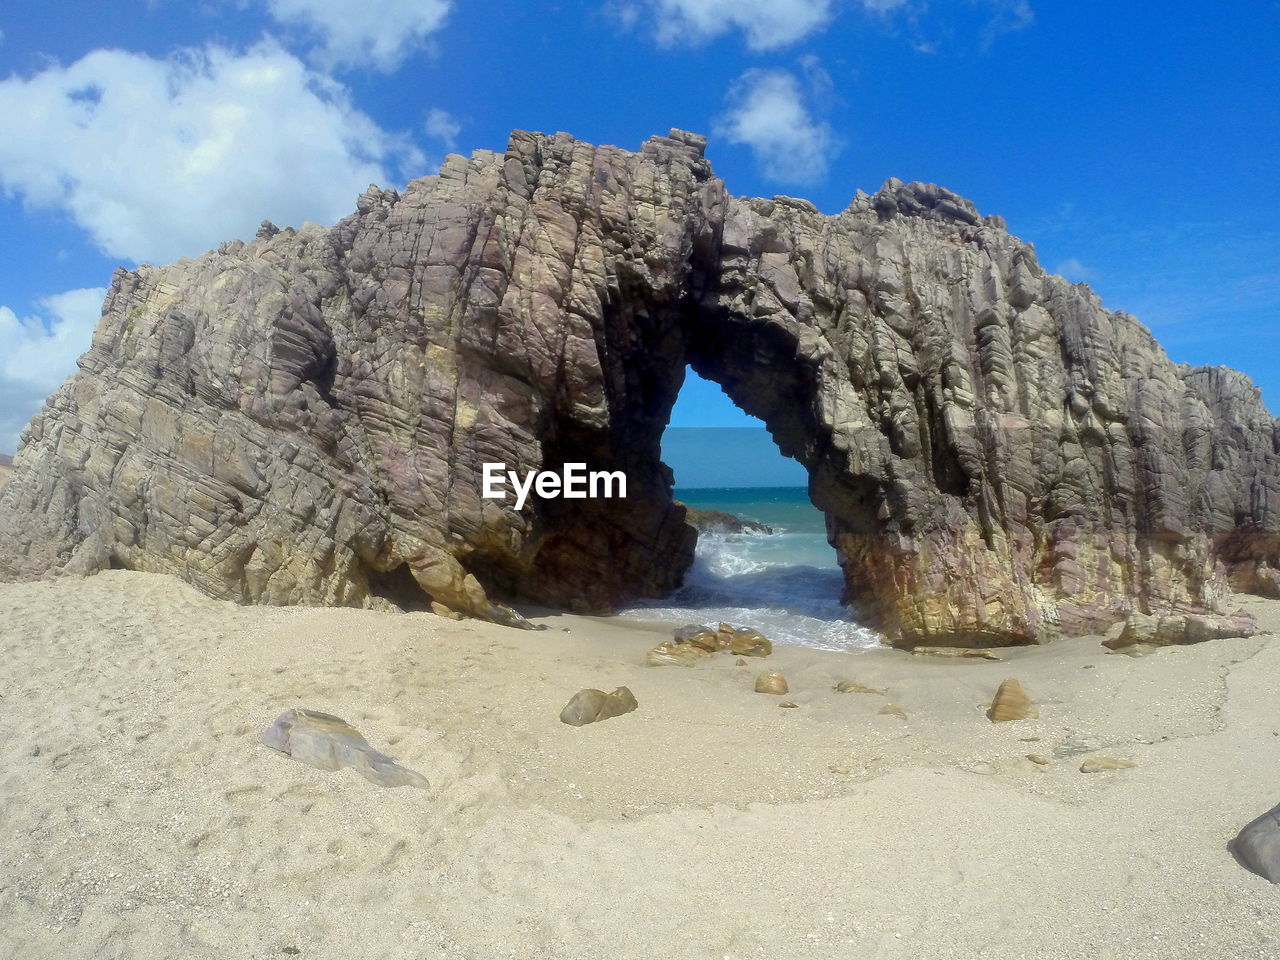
column 1101, row 764
column 1258, row 845
column 774, row 683
column 959, row 653
column 851, row 686
column 670, row 652
column 747, row 642
column 588, row 706
column 1011, row 703
column 1038, row 758
column 327, row 742
column 701, row 637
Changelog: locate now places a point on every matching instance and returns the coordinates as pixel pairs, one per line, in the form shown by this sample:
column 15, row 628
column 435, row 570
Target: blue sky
column 1137, row 145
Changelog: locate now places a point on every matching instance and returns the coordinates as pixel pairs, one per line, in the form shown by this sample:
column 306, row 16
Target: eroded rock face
column 304, row 418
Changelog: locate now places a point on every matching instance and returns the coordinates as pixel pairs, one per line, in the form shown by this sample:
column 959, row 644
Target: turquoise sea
column 786, row 584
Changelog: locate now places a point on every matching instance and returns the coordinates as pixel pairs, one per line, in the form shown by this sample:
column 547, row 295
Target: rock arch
column 304, row 418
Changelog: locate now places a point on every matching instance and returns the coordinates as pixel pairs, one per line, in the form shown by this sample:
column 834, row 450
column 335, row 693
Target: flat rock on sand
column 1258, row 845
column 327, row 742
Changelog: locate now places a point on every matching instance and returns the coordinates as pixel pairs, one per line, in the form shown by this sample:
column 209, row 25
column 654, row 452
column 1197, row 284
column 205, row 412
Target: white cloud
column 767, row 24
column 767, row 113
column 38, row 353
column 443, row 126
column 1074, row 270
column 160, row 158
column 377, row 33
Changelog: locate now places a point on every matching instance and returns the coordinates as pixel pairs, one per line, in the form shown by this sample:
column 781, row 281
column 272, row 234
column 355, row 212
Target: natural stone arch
column 304, row 418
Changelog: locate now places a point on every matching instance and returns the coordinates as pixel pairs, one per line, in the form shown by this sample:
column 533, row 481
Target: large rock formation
column 303, row 418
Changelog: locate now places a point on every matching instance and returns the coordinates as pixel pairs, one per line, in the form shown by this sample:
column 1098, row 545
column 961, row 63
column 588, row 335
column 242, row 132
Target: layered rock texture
column 304, row 418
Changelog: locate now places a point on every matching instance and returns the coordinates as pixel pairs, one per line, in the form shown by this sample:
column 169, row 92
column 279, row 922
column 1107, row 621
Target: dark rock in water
column 588, row 706
column 1258, row 845
column 306, row 418
column 717, row 521
column 327, row 742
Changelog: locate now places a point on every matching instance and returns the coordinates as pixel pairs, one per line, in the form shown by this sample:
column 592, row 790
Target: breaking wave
column 785, row 584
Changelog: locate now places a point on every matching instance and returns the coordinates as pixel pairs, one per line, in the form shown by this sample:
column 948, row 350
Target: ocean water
column 785, row 584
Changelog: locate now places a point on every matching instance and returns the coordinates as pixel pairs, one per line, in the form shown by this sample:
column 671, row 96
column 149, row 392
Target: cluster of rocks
column 693, row 643
column 304, row 418
column 1011, row 702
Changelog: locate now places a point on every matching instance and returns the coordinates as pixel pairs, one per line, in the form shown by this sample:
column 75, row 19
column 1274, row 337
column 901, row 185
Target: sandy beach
column 143, row 818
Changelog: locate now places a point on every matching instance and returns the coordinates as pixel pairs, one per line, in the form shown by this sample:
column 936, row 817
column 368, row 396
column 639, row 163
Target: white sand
column 141, row 817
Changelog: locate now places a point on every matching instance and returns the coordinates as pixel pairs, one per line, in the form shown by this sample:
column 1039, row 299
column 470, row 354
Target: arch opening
column 763, row 556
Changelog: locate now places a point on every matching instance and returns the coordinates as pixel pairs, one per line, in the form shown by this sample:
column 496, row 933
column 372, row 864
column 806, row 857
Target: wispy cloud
column 379, row 34
column 1007, row 16
column 768, row 113
column 1074, row 270
column 443, row 126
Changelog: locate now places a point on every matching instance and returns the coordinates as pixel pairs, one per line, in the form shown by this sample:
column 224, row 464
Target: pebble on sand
column 852, row 686
column 774, row 683
column 588, row 706
column 1011, row 703
column 1100, row 764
